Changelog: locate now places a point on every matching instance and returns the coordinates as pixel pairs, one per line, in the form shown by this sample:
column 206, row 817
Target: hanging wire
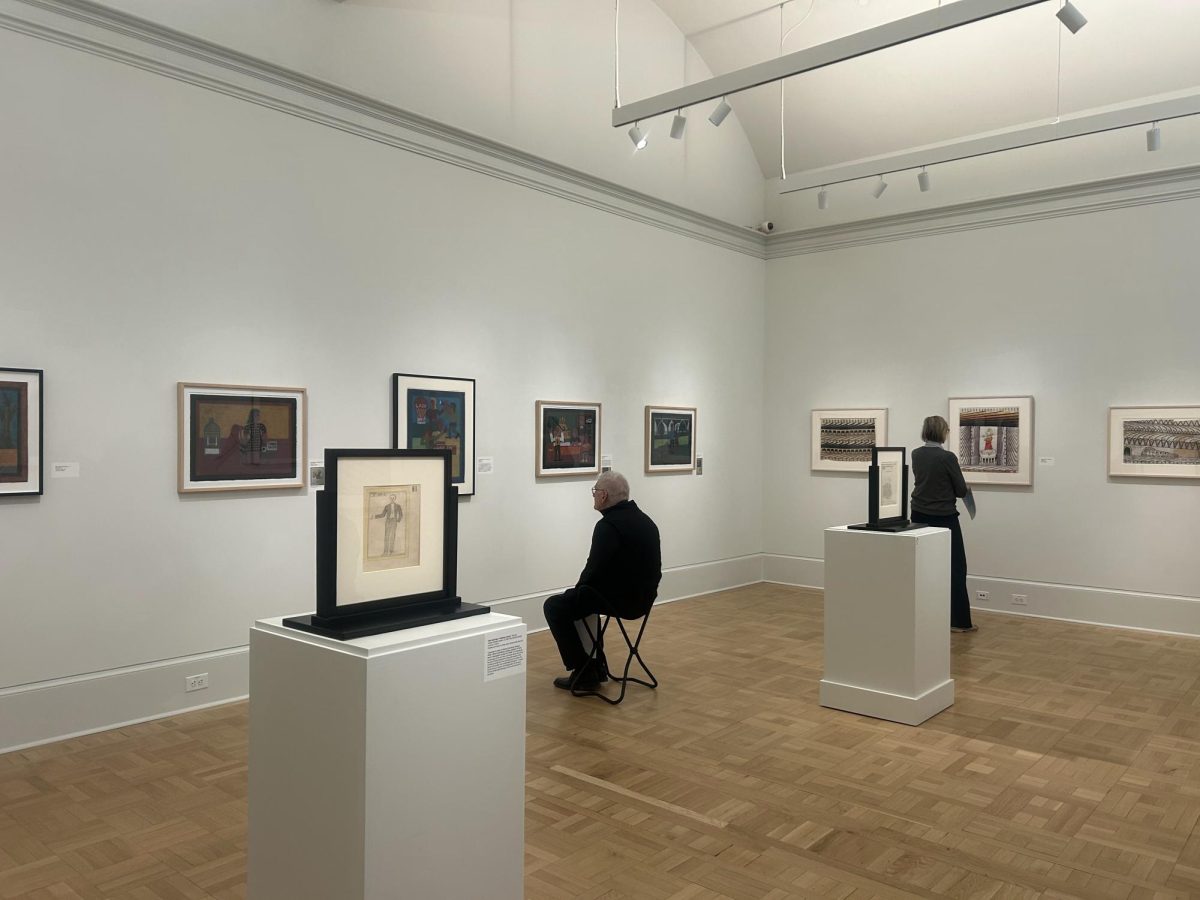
column 617, row 54
column 783, row 36
column 1058, row 79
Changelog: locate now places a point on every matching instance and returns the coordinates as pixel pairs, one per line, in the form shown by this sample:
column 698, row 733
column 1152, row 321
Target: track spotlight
column 678, row 125
column 878, row 190
column 638, row 136
column 823, row 198
column 1153, row 138
column 1071, row 17
column 923, row 180
column 718, row 115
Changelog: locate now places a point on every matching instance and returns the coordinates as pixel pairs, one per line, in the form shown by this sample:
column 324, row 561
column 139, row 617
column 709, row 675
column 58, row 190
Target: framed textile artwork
column 993, row 437
column 21, row 432
column 1154, row 441
column 670, row 439
column 842, row 438
column 241, row 437
column 430, row 412
column 568, row 438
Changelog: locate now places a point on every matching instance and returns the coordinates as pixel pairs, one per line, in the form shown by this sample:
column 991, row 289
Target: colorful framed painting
column 241, row 437
column 1154, row 441
column 568, row 438
column 670, row 439
column 21, row 432
column 993, row 437
column 430, row 412
column 842, row 439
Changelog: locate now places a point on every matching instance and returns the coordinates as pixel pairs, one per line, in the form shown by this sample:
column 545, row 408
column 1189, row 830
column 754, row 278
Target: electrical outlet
column 1020, row 599
column 982, row 596
column 196, row 682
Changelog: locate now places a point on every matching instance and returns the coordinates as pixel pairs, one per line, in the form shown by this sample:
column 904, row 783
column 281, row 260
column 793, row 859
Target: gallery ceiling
column 996, row 74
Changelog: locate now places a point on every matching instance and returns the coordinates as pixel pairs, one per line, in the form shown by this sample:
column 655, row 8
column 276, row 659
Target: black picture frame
column 344, row 620
column 34, row 484
column 437, row 386
column 873, row 490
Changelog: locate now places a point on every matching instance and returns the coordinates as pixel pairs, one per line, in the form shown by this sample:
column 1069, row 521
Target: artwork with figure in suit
column 391, row 526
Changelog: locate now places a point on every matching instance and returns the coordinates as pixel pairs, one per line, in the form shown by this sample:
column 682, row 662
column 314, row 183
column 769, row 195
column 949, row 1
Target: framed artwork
column 888, row 503
column 241, row 437
column 568, row 438
column 430, row 412
column 1154, row 441
column 842, row 438
column 21, row 432
column 670, row 439
column 993, row 437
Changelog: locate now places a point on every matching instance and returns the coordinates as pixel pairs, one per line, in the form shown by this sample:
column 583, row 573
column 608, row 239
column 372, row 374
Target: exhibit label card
column 64, row 470
column 505, row 654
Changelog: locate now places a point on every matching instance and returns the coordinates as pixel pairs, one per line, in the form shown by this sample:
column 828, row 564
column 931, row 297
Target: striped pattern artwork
column 847, row 440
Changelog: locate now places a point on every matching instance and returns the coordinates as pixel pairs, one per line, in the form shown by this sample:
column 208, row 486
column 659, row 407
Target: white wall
column 155, row 232
column 533, row 74
column 1083, row 313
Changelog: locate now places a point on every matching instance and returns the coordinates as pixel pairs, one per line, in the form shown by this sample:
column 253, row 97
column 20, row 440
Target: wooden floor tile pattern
column 1069, row 767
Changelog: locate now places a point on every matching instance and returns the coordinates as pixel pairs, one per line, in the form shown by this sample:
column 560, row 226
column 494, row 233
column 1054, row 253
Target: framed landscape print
column 1154, row 441
column 842, row 439
column 21, row 453
column 568, row 438
column 670, row 439
column 430, row 412
column 241, row 437
column 993, row 437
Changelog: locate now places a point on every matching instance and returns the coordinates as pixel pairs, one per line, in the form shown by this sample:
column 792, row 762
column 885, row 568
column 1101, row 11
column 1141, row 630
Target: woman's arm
column 956, row 476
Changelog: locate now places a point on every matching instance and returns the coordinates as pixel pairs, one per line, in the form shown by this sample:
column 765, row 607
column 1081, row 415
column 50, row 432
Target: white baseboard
column 46, row 711
column 1065, row 602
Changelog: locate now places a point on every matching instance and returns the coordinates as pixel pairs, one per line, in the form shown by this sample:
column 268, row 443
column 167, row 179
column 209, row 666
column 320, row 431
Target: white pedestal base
column 390, row 766
column 887, row 623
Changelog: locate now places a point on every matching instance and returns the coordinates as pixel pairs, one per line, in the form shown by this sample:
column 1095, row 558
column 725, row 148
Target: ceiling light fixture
column 1153, row 138
column 718, row 115
column 923, row 180
column 678, row 125
column 823, row 199
column 1071, row 17
column 638, row 136
column 878, row 190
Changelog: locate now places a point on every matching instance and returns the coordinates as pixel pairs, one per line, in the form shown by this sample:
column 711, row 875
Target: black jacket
column 938, row 481
column 625, row 562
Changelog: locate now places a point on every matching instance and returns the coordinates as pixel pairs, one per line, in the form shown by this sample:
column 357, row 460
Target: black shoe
column 584, row 679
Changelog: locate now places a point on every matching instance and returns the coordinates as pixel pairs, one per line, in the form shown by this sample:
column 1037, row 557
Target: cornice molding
column 1073, row 200
column 134, row 41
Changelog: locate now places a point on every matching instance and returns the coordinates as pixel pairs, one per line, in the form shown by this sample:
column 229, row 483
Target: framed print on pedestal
column 993, row 437
column 430, row 412
column 842, row 438
column 1154, row 441
column 670, row 439
column 241, row 437
column 568, row 438
column 21, row 432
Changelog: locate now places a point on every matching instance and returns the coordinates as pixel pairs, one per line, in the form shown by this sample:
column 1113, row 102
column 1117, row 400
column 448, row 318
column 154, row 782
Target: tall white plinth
column 390, row 766
column 887, row 623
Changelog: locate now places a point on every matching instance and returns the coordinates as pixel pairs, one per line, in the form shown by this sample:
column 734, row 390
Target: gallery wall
column 1081, row 312
column 155, row 232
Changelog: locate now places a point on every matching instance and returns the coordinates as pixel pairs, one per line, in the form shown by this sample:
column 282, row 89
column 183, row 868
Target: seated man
column 620, row 578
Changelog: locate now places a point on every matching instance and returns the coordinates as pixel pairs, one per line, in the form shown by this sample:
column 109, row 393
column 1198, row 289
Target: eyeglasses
column 596, row 491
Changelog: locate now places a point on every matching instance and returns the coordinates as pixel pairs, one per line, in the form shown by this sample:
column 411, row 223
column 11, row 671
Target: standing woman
column 938, row 483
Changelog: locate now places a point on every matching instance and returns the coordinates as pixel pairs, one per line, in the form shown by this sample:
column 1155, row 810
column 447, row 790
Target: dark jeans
column 960, row 604
column 562, row 612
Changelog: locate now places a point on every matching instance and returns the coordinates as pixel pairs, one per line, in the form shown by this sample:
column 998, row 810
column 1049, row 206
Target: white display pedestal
column 887, row 623
column 390, row 766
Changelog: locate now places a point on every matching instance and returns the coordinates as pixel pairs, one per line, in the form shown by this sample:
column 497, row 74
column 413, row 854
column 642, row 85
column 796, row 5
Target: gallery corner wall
column 157, row 232
column 1082, row 312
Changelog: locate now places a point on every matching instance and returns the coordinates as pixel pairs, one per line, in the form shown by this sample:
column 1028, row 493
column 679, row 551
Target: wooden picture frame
column 567, row 437
column 1164, row 442
column 242, row 437
column 22, row 432
column 993, row 438
column 842, row 439
column 670, row 439
column 435, row 412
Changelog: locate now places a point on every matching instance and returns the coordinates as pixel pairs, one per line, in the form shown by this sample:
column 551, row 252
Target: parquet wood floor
column 1069, row 767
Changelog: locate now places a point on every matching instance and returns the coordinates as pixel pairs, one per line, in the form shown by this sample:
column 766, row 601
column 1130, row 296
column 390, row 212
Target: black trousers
column 563, row 611
column 960, row 603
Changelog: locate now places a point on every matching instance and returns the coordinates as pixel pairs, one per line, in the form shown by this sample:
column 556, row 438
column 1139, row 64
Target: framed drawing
column 842, row 438
column 241, row 437
column 430, row 412
column 887, row 491
column 670, row 439
column 568, row 438
column 387, row 544
column 1154, row 441
column 21, row 432
column 993, row 437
